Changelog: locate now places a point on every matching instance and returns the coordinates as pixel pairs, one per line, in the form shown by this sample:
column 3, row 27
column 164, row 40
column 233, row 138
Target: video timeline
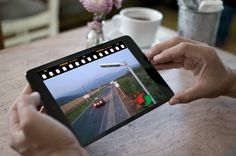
column 82, row 60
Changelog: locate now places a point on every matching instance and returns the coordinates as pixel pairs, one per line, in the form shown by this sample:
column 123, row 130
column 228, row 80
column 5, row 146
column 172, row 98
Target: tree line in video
column 131, row 89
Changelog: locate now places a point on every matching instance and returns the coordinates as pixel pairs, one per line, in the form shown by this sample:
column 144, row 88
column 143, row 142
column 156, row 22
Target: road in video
column 103, row 93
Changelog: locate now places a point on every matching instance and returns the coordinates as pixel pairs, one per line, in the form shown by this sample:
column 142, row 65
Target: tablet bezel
column 53, row 109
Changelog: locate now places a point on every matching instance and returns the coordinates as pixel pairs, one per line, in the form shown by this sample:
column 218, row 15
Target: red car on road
column 98, row 102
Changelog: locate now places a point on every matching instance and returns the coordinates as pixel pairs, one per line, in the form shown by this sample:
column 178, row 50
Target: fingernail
column 156, row 58
column 174, row 101
column 147, row 54
column 36, row 96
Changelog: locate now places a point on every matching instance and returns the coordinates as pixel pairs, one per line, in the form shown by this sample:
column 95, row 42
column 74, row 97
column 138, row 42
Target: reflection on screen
column 108, row 89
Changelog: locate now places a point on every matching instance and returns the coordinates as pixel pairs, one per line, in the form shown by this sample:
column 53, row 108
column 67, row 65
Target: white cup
column 139, row 23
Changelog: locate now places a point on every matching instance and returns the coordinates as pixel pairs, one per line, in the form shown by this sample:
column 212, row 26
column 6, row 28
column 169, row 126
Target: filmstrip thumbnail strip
column 80, row 61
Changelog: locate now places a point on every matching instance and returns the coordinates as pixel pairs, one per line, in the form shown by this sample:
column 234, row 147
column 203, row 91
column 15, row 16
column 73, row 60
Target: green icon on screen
column 148, row 100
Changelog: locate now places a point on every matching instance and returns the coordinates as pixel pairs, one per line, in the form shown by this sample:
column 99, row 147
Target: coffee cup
column 139, row 23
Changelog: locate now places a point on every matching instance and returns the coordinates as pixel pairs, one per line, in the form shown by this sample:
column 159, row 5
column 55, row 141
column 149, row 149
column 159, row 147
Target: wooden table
column 204, row 127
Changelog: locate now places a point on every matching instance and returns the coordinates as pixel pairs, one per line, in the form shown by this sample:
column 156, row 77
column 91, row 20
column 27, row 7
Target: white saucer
column 111, row 32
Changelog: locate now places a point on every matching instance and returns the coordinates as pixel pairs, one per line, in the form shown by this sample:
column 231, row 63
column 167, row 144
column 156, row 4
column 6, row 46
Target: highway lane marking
column 111, row 115
column 108, row 115
column 104, row 114
column 121, row 112
column 103, row 118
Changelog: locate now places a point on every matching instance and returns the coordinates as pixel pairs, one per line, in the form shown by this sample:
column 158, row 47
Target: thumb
column 188, row 95
column 27, row 107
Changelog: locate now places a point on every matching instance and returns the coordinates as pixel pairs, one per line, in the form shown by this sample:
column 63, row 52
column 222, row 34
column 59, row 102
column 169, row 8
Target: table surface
column 203, row 127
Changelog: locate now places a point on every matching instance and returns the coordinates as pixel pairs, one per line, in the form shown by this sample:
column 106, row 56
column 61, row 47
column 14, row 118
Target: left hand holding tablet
column 35, row 133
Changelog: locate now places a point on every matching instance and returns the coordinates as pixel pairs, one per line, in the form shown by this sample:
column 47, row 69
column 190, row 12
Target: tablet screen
column 101, row 89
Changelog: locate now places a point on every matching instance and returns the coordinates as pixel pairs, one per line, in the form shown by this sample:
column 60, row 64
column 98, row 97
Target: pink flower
column 98, row 6
column 117, row 3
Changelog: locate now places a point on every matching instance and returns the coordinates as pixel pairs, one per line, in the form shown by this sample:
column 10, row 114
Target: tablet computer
column 97, row 90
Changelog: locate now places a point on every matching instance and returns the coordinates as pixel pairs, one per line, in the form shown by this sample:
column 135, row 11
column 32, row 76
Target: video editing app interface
column 101, row 89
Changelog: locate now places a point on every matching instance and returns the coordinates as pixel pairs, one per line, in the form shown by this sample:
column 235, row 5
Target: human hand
column 33, row 133
column 213, row 78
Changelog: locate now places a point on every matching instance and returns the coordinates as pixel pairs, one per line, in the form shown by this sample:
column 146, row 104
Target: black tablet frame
column 54, row 110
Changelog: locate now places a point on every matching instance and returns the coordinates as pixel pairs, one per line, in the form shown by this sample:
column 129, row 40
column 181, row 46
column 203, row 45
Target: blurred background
column 24, row 21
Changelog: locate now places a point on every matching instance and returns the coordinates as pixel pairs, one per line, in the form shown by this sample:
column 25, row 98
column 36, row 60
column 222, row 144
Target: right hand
column 213, row 78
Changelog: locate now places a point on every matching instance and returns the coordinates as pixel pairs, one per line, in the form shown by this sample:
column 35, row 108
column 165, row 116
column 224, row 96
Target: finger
column 183, row 49
column 168, row 66
column 179, row 60
column 188, row 95
column 35, row 100
column 158, row 48
column 153, row 62
column 16, row 141
column 13, row 120
column 27, row 90
column 30, row 102
column 15, row 133
column 175, row 60
column 27, row 106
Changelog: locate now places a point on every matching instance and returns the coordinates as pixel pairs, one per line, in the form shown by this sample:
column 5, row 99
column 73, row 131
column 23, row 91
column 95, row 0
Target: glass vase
column 95, row 34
